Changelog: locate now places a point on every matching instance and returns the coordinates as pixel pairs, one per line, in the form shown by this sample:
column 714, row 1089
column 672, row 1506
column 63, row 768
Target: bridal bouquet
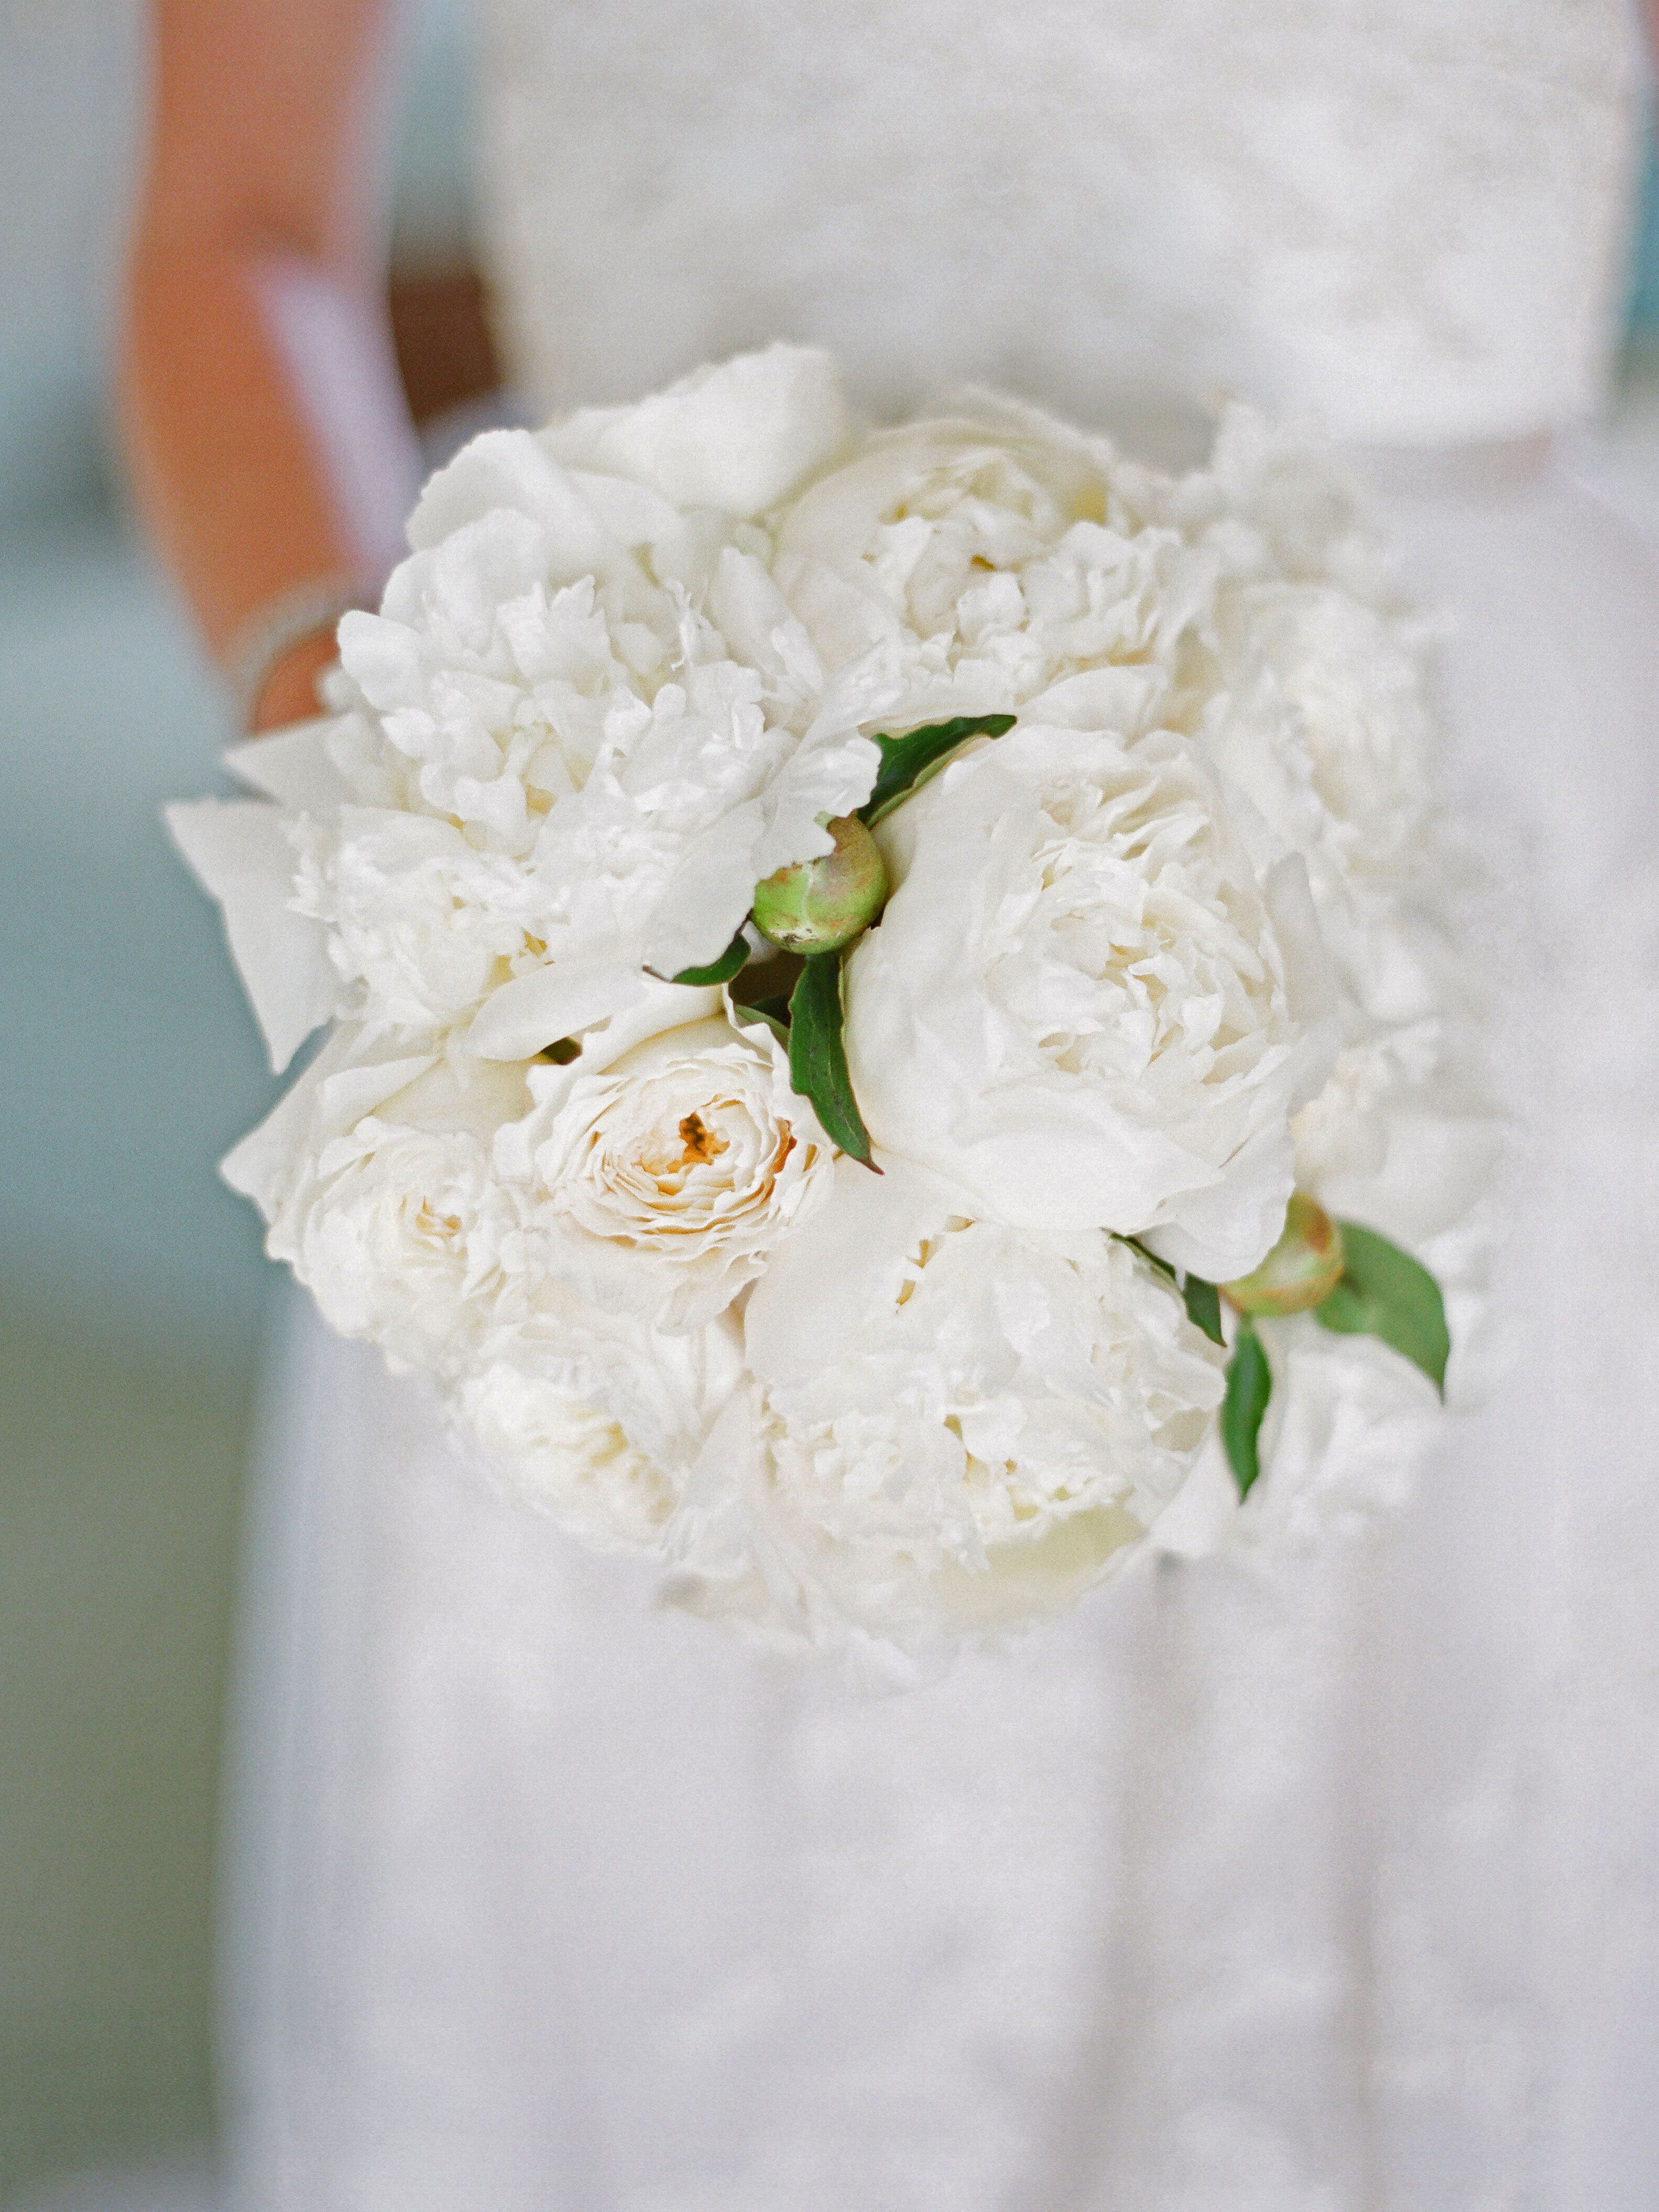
column 896, row 999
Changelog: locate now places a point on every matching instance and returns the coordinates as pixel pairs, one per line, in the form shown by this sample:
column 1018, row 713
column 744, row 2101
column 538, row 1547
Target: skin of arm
column 259, row 400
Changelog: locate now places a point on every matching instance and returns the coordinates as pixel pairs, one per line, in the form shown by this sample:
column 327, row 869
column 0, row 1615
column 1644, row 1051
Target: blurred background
column 132, row 1294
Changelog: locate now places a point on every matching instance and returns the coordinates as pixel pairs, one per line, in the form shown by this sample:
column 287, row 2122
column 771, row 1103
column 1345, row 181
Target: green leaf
column 1203, row 1306
column 1147, row 1254
column 729, row 965
column 1385, row 1293
column 775, row 1012
column 1202, row 1300
column 817, row 1061
column 1250, row 1386
column 908, row 762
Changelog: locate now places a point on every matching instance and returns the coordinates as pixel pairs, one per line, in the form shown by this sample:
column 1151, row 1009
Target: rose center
column 701, row 1143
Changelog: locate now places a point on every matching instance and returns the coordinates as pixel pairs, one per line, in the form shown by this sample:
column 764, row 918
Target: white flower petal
column 738, row 436
column 534, row 1011
column 239, row 854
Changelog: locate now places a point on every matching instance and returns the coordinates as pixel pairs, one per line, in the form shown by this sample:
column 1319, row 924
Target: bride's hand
column 290, row 692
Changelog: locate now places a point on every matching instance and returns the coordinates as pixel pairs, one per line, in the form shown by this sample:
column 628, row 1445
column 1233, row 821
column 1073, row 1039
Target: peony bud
column 817, row 905
column 1301, row 1271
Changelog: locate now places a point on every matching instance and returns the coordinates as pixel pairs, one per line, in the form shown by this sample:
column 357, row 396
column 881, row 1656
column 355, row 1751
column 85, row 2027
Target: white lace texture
column 1407, row 217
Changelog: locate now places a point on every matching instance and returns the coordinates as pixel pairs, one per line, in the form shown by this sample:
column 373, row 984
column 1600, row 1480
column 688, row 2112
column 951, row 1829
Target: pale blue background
column 131, row 1285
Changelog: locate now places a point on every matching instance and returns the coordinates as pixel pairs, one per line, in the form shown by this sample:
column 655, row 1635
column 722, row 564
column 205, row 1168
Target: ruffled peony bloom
column 1089, row 1002
column 955, row 1425
column 374, row 1176
column 675, row 1172
column 1317, row 713
column 550, row 672
column 736, row 436
column 602, row 742
column 422, row 923
column 576, row 1463
column 984, row 557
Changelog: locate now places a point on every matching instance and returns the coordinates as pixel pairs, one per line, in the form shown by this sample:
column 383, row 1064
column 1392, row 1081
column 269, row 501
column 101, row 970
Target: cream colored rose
column 385, row 1232
column 675, row 1171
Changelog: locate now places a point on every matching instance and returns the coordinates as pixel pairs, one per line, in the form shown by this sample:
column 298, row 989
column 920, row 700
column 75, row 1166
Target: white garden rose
column 1088, row 1002
column 384, row 1234
column 675, row 1172
column 957, row 1423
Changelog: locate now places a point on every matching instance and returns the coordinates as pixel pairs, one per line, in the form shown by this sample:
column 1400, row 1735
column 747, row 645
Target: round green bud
column 1301, row 1271
column 817, row 905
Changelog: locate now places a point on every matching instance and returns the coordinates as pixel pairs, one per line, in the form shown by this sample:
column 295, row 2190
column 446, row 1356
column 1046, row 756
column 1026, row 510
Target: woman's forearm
column 262, row 410
column 225, row 461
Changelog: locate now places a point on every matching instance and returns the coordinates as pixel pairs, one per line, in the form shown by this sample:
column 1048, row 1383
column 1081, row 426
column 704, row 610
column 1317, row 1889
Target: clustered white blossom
column 1176, row 944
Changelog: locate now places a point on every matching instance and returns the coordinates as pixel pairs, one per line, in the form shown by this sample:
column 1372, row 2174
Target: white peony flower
column 1087, row 1002
column 373, row 1175
column 549, row 674
column 486, row 678
column 573, row 1462
column 727, row 774
column 1319, row 715
column 1274, row 501
column 420, row 921
column 1323, row 721
column 985, row 558
column 957, row 1423
column 737, row 435
column 675, row 1172
column 663, row 1393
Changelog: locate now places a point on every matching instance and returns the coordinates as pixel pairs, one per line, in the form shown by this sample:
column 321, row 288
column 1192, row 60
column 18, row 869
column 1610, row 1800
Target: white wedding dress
column 1275, row 1881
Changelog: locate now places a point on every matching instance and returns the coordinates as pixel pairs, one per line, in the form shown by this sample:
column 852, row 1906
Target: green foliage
column 1203, row 1306
column 775, row 1012
column 1385, row 1293
column 907, row 763
column 1250, row 1388
column 817, row 1059
column 1202, row 1300
column 729, row 965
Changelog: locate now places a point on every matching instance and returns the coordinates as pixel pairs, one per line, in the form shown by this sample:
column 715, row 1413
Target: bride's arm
column 269, row 438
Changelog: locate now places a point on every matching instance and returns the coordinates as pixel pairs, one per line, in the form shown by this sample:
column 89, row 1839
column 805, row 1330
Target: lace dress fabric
column 1303, row 1880
column 1406, row 215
